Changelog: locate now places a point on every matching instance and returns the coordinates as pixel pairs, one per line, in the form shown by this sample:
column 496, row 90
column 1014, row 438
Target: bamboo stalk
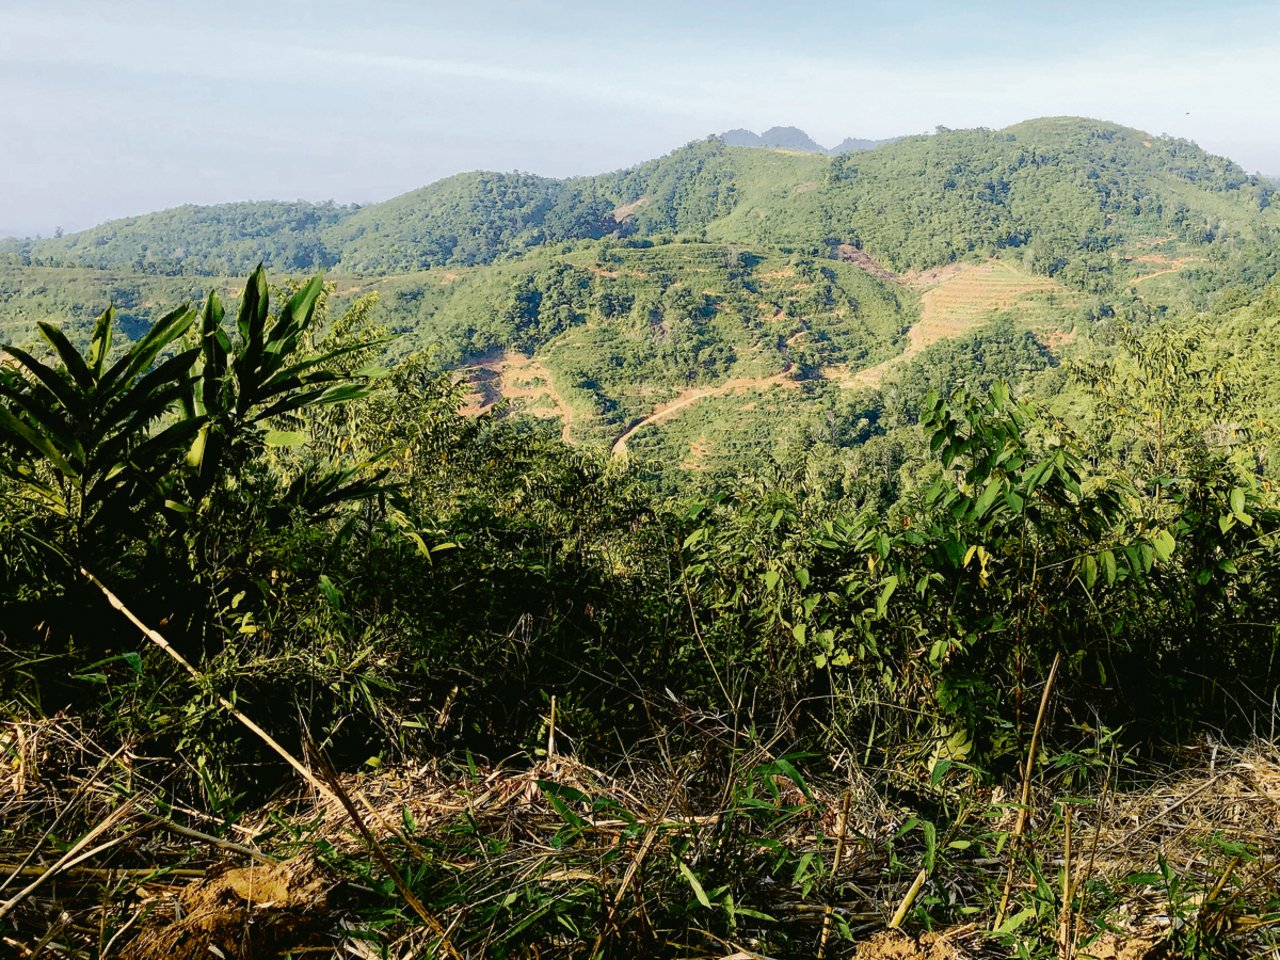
column 901, row 913
column 107, row 873
column 1024, row 813
column 376, row 848
column 1066, row 937
column 835, row 866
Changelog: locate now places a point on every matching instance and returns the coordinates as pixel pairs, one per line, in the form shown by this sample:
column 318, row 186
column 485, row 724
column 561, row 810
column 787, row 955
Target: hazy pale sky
column 115, row 107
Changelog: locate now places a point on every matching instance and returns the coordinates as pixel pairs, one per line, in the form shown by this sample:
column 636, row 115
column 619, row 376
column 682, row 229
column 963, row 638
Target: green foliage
column 80, row 436
column 1065, row 194
column 218, row 240
column 469, row 219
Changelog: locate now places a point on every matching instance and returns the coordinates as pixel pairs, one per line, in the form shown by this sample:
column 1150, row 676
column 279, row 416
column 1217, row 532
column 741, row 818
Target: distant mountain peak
column 793, row 138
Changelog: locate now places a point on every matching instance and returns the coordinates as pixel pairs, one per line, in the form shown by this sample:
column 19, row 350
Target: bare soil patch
column 896, row 945
column 861, row 259
column 255, row 911
column 627, row 210
column 513, row 376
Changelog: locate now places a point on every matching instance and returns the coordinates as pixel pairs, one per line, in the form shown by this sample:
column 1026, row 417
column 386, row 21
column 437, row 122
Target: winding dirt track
column 954, row 300
column 1173, row 266
column 693, row 395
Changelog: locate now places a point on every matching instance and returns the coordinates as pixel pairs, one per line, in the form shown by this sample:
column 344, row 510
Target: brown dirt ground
column 256, row 911
column 513, row 376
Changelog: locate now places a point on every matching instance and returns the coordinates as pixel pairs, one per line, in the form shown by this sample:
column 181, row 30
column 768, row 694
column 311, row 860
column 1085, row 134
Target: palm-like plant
column 262, row 377
column 87, row 442
column 92, row 444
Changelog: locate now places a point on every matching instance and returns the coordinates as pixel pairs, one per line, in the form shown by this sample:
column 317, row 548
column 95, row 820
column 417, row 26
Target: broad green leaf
column 1089, row 569
column 694, row 884
column 285, row 438
column 882, row 602
column 788, row 769
column 1108, row 561
column 1163, row 544
column 100, row 344
column 69, row 355
column 1236, row 500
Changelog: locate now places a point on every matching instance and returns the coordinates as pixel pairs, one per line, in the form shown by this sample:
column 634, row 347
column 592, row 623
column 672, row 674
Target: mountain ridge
column 793, row 138
column 1063, row 193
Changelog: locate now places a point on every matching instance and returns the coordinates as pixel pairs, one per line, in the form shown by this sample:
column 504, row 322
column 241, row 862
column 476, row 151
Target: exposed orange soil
column 1055, row 340
column 691, row 396
column 956, row 299
column 513, row 376
column 860, row 258
column 627, row 209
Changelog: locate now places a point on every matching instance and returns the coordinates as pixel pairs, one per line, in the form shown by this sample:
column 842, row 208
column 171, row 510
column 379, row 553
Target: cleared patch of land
column 955, row 300
column 1163, row 265
column 520, row 379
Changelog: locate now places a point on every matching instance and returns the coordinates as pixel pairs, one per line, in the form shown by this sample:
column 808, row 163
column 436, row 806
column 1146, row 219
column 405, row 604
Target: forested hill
column 1061, row 192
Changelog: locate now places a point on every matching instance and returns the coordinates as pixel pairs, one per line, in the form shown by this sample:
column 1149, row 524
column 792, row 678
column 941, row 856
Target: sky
column 110, row 109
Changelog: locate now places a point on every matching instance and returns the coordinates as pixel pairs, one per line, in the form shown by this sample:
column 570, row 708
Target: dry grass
column 491, row 847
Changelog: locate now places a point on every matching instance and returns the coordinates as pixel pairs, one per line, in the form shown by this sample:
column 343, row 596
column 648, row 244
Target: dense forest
column 751, row 553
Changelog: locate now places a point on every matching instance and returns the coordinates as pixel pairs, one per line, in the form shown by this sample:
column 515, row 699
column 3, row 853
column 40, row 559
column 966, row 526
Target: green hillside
column 1065, row 194
column 718, row 278
column 227, row 238
column 745, row 554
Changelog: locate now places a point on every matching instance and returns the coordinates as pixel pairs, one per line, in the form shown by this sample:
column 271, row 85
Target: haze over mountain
column 724, row 270
column 678, row 545
column 1036, row 187
column 390, row 95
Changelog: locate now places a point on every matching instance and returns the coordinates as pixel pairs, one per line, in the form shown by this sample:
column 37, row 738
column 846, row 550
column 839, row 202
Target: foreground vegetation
column 769, row 716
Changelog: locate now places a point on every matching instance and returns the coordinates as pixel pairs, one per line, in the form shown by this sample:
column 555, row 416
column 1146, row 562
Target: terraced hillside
column 697, row 307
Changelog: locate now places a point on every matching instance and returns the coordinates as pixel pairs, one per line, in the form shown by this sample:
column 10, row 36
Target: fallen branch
column 200, row 678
